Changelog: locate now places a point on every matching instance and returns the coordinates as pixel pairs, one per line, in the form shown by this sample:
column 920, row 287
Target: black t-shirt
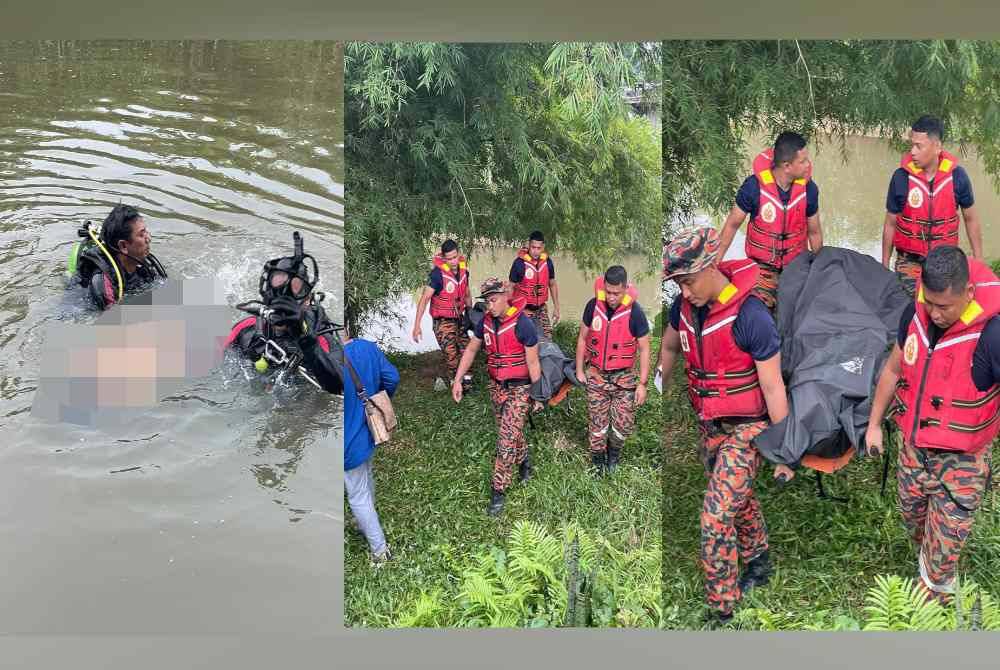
column 753, row 330
column 638, row 325
column 748, row 197
column 517, row 270
column 899, row 189
column 524, row 329
column 986, row 357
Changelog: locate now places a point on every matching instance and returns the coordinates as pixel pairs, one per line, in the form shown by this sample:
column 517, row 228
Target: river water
column 217, row 510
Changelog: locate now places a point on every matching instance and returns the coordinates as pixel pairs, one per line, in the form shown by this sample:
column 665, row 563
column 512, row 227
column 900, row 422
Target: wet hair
column 616, row 276
column 536, row 236
column 449, row 245
column 786, row 146
column 945, row 268
column 118, row 225
column 930, row 125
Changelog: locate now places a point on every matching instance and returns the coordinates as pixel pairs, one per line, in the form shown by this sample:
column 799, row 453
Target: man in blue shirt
column 376, row 374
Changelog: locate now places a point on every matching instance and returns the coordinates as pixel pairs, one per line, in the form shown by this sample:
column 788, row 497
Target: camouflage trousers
column 908, row 268
column 939, row 492
column 766, row 287
column 541, row 318
column 732, row 524
column 510, row 410
column 610, row 407
column 452, row 340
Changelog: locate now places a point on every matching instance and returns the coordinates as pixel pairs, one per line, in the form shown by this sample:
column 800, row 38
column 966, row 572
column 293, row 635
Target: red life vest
column 778, row 232
column 534, row 286
column 610, row 344
column 938, row 405
column 449, row 303
column 722, row 378
column 930, row 215
column 505, row 357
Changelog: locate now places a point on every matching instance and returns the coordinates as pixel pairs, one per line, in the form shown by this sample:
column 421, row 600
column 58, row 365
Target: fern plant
column 895, row 603
column 427, row 612
column 545, row 579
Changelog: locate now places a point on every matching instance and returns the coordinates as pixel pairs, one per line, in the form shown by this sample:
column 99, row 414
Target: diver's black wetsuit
column 96, row 274
column 322, row 355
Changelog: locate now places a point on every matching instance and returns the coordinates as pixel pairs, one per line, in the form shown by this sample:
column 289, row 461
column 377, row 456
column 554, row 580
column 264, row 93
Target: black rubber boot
column 599, row 462
column 524, row 469
column 757, row 573
column 496, row 503
column 614, row 454
column 716, row 619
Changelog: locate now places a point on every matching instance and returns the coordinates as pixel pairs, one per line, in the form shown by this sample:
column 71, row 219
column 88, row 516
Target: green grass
column 432, row 488
column 826, row 554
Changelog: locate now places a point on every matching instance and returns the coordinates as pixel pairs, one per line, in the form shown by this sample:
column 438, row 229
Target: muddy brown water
column 218, row 509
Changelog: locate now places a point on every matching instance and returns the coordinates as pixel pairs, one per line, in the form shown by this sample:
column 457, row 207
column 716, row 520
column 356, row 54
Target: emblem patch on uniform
column 910, row 349
column 915, row 197
column 595, row 324
column 685, row 345
column 449, row 287
column 529, row 273
column 768, row 212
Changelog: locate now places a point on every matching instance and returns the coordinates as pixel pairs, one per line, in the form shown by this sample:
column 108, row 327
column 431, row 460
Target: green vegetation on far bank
column 432, row 488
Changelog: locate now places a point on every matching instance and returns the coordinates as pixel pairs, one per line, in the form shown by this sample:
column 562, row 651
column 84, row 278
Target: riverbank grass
column 432, row 489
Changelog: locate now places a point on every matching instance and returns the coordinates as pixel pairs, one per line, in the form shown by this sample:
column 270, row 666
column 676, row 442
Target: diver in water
column 289, row 331
column 117, row 260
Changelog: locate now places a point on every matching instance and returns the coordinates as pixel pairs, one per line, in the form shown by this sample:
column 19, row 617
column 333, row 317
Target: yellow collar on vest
column 767, row 177
column 969, row 314
column 510, row 311
column 626, row 300
column 601, row 295
column 727, row 293
column 800, row 182
column 973, row 310
column 944, row 166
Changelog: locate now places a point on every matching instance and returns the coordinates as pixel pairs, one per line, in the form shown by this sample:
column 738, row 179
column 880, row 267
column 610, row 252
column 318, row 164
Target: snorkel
column 278, row 278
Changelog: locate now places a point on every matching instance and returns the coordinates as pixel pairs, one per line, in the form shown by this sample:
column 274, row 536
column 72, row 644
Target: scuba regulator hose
column 118, row 274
